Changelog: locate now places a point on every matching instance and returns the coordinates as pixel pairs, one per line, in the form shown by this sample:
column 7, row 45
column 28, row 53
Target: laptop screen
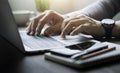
column 8, row 27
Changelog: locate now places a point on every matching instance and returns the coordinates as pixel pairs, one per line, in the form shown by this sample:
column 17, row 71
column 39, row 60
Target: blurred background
column 61, row 6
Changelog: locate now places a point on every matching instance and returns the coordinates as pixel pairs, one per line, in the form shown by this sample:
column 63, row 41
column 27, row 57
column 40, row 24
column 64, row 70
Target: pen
column 97, row 53
column 94, row 48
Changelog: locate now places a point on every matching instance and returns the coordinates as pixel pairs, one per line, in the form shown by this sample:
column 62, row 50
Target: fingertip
column 63, row 36
column 46, row 32
column 32, row 33
column 28, row 33
column 37, row 34
column 28, row 29
column 73, row 33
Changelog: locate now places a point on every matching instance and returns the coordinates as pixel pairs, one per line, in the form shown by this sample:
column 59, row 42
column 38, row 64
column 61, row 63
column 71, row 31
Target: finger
column 33, row 26
column 66, row 21
column 70, row 25
column 35, row 22
column 49, row 31
column 28, row 29
column 53, row 30
column 40, row 15
column 46, row 18
column 81, row 29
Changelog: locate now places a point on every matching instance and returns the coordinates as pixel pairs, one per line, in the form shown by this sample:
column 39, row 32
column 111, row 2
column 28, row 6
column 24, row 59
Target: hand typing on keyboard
column 52, row 18
column 72, row 25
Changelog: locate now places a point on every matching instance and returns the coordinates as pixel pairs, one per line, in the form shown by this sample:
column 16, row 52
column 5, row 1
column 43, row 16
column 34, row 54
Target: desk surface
column 37, row 64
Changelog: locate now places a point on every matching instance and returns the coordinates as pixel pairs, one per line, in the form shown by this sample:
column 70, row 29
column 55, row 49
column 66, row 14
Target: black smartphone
column 81, row 46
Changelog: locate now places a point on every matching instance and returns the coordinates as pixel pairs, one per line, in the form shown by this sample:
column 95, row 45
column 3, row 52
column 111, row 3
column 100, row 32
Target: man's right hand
column 50, row 17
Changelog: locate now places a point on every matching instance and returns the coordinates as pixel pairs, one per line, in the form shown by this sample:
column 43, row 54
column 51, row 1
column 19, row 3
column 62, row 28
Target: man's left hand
column 82, row 24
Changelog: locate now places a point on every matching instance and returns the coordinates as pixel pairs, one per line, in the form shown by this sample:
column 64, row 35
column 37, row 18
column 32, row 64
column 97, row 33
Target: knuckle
column 48, row 10
column 41, row 22
column 81, row 15
column 31, row 19
column 83, row 26
column 51, row 12
column 35, row 19
column 71, row 22
column 65, row 21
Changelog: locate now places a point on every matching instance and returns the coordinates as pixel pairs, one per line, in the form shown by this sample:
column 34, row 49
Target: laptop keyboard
column 35, row 42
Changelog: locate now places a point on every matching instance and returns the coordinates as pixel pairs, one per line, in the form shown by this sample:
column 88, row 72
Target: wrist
column 100, row 31
column 116, row 29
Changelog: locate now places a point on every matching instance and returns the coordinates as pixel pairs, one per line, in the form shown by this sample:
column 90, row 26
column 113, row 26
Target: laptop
column 25, row 43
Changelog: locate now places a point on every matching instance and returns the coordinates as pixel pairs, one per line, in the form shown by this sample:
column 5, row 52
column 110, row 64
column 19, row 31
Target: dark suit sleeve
column 99, row 10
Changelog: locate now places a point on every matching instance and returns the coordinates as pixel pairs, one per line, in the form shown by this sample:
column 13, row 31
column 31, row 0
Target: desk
column 37, row 64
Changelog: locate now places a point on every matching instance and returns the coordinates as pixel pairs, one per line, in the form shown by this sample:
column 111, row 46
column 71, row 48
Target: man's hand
column 82, row 24
column 50, row 17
